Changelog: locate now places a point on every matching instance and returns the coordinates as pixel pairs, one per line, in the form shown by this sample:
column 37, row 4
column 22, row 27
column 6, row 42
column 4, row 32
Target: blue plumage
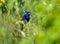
column 26, row 16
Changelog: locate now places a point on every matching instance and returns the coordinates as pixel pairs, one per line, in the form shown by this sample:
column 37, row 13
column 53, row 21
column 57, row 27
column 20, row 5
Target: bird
column 26, row 16
column 25, row 19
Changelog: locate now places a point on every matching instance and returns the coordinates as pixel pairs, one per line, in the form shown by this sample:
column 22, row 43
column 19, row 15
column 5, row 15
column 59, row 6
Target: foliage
column 43, row 28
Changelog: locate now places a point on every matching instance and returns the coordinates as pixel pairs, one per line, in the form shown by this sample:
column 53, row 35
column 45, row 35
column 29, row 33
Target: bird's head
column 27, row 12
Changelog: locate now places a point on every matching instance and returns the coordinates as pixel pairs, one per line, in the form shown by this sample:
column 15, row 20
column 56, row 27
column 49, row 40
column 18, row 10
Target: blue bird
column 25, row 19
column 26, row 16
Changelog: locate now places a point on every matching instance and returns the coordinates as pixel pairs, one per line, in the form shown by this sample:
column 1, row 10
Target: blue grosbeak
column 25, row 19
column 26, row 16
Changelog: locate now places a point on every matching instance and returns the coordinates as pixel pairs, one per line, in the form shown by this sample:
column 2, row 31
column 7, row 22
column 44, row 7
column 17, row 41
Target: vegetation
column 43, row 27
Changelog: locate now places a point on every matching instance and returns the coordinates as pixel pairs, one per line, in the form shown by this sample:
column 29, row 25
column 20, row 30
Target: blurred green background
column 43, row 28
